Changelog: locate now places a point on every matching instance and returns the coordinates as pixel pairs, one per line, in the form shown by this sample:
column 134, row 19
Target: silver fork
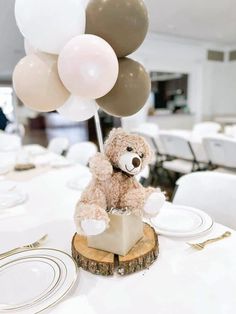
column 200, row 246
column 33, row 245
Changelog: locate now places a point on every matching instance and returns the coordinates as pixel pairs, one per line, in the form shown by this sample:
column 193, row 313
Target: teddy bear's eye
column 129, row 149
column 141, row 155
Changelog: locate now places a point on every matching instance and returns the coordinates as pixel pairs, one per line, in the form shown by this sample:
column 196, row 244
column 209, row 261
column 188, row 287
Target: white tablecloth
column 182, row 281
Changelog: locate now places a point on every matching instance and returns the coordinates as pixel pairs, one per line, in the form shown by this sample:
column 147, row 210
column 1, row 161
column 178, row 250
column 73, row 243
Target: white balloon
column 78, row 109
column 85, row 3
column 29, row 49
column 50, row 24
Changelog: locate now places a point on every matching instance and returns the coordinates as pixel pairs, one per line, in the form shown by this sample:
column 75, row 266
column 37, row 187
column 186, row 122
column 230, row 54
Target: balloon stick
column 99, row 132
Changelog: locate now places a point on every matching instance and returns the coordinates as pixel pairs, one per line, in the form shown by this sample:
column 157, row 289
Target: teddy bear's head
column 128, row 152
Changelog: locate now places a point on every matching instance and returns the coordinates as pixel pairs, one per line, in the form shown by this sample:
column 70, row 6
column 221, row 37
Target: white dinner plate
column 5, row 168
column 42, row 295
column 181, row 221
column 17, row 277
column 12, row 198
column 6, row 186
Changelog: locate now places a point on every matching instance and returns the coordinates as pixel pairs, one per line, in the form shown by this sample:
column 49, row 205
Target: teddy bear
column 114, row 183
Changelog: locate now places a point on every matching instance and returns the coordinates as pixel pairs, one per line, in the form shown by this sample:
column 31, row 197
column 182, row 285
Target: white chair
column 178, row 147
column 58, row 145
column 230, row 130
column 199, row 151
column 82, row 152
column 150, row 131
column 9, row 142
column 14, row 128
column 206, row 128
column 211, row 192
column 134, row 121
column 143, row 176
column 7, row 161
column 221, row 151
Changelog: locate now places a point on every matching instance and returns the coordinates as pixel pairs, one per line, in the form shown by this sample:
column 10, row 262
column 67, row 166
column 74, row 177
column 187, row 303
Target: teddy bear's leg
column 91, row 217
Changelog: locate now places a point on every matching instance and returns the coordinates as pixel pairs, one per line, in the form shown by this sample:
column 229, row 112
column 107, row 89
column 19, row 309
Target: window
column 170, row 91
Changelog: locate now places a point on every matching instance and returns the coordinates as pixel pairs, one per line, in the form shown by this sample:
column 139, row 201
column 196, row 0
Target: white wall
column 212, row 85
column 227, row 104
column 219, row 89
column 161, row 53
column 11, row 41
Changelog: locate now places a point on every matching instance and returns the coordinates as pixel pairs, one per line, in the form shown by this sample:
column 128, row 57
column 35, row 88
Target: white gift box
column 125, row 230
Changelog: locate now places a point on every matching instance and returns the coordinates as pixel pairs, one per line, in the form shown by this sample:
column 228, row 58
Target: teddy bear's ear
column 115, row 132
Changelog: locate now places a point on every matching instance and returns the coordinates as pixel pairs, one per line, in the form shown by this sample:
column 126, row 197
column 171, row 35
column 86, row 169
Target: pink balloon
column 88, row 66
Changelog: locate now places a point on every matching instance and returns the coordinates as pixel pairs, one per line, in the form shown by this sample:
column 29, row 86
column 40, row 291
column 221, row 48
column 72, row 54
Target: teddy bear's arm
column 143, row 200
column 100, row 167
column 135, row 199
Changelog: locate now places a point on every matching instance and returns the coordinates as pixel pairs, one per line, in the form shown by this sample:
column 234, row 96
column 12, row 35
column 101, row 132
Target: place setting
column 32, row 280
column 10, row 195
column 182, row 221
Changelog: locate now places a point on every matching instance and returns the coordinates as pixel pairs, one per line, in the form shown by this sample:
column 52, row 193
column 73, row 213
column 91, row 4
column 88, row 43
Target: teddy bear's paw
column 92, row 227
column 101, row 167
column 154, row 203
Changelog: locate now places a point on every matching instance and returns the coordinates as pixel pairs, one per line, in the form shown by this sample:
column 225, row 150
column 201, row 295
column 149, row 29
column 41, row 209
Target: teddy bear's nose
column 136, row 162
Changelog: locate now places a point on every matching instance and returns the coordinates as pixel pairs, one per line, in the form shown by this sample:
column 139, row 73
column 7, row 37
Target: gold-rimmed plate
column 17, row 277
column 181, row 221
column 42, row 288
column 12, row 198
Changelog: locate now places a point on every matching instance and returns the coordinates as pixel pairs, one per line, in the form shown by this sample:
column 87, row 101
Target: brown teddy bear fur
column 110, row 187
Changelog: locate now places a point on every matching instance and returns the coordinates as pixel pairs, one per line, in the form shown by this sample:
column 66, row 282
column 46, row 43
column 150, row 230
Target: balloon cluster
column 76, row 56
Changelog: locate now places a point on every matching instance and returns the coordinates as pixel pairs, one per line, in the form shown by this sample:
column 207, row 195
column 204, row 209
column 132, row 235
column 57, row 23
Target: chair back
column 230, row 130
column 176, row 146
column 9, row 142
column 15, row 128
column 211, row 192
column 199, row 152
column 134, row 121
column 58, row 145
column 221, row 151
column 150, row 132
column 143, row 174
column 206, row 128
column 82, row 152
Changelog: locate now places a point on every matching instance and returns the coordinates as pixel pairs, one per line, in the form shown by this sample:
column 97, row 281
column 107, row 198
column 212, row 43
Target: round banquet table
column 181, row 281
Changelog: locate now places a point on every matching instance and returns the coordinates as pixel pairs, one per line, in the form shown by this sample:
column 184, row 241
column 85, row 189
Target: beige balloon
column 122, row 23
column 37, row 83
column 130, row 92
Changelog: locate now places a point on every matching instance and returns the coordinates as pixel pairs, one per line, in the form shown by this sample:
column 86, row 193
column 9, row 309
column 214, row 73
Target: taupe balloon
column 122, row 23
column 37, row 83
column 130, row 92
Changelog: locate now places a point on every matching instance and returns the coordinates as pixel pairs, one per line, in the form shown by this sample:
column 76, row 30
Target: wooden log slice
column 98, row 262
column 95, row 261
column 24, row 167
column 142, row 255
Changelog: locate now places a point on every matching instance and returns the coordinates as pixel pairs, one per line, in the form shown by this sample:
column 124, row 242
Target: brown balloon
column 130, row 92
column 37, row 83
column 122, row 23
